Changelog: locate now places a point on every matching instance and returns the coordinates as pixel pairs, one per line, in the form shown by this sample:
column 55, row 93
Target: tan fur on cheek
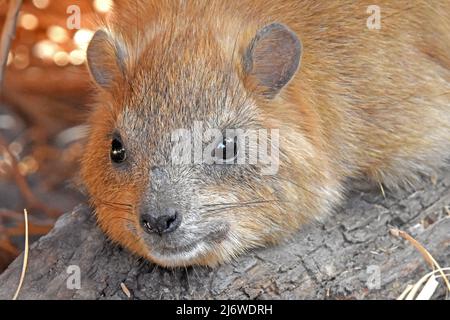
column 112, row 195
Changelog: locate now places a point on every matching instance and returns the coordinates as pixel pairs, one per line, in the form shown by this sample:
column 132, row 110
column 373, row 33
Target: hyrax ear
column 105, row 59
column 272, row 58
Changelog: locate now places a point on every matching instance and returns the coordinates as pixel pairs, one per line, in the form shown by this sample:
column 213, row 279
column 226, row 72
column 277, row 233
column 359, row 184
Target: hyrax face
column 184, row 165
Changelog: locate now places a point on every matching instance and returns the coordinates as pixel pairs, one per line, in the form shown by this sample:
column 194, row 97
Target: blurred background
column 44, row 101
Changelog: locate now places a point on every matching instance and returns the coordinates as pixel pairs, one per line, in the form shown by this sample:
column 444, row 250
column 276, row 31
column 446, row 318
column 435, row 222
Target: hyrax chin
column 340, row 100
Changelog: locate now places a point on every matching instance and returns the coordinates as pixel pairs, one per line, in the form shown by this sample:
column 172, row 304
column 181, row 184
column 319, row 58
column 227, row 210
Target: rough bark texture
column 330, row 260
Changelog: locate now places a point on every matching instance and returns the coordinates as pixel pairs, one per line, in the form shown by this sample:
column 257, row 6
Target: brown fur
column 364, row 102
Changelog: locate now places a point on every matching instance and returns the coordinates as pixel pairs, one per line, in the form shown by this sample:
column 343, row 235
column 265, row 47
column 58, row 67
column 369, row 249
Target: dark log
column 331, row 260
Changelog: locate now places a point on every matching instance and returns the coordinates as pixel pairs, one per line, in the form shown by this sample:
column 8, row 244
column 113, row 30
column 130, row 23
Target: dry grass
column 428, row 284
column 125, row 290
column 25, row 257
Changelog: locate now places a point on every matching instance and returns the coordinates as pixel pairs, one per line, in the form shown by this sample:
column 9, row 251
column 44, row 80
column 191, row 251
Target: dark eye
column 118, row 153
column 226, row 151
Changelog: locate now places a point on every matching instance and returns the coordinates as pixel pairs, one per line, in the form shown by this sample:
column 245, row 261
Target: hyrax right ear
column 105, row 59
column 272, row 58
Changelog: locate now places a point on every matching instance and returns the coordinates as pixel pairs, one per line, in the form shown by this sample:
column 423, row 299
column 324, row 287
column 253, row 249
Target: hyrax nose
column 167, row 222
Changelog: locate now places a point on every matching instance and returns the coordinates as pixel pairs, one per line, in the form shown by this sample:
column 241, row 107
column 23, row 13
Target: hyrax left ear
column 105, row 59
column 272, row 58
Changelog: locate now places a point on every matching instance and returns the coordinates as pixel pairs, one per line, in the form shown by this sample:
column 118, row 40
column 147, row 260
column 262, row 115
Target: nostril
column 166, row 223
column 169, row 222
column 148, row 222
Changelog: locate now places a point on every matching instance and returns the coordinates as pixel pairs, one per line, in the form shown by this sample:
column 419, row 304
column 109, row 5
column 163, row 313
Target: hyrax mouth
column 176, row 250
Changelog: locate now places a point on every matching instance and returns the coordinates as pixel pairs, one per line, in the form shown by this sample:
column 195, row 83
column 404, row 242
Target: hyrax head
column 174, row 162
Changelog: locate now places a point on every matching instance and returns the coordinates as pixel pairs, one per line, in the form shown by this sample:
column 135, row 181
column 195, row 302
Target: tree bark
column 351, row 255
